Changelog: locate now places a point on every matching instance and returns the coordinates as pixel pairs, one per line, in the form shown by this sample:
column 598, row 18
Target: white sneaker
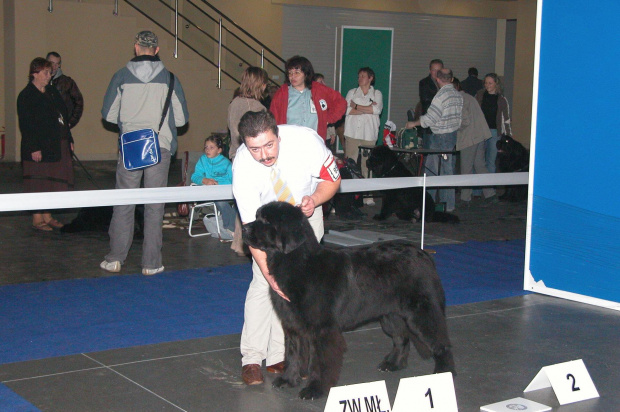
column 149, row 272
column 111, row 266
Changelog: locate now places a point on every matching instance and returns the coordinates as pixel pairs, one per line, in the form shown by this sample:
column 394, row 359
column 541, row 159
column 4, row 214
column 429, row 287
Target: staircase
column 213, row 36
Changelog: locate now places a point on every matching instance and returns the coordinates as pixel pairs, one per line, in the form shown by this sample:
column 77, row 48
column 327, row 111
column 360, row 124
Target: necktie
column 283, row 193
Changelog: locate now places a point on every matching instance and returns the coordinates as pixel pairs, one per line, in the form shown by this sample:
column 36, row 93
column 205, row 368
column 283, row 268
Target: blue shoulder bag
column 140, row 148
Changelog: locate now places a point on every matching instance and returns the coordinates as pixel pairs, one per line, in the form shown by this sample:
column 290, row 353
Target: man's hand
column 261, row 260
column 37, row 156
column 274, row 285
column 307, row 206
column 208, row 182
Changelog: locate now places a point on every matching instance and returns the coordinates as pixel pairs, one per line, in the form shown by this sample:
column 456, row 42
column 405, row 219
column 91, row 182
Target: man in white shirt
column 300, row 158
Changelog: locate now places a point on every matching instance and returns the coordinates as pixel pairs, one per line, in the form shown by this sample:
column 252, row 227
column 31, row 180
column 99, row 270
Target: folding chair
column 192, row 158
column 191, row 218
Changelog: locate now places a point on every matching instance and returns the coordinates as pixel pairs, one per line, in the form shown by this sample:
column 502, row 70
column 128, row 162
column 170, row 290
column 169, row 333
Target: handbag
column 183, row 208
column 408, row 139
column 140, row 148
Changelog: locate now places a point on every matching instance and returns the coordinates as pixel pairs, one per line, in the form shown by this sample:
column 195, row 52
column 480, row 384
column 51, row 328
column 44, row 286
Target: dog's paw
column 387, row 366
column 312, row 391
column 280, row 382
column 445, row 363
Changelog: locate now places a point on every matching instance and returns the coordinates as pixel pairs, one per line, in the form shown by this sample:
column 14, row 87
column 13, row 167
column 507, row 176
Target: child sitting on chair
column 214, row 169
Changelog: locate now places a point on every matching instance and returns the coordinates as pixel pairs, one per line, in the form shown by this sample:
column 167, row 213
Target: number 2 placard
column 432, row 393
column 570, row 381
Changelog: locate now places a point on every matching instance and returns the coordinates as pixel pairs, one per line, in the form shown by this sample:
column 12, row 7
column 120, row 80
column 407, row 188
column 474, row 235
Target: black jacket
column 38, row 122
column 471, row 85
column 428, row 90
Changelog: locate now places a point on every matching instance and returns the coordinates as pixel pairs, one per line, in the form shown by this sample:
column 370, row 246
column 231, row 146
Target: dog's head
column 512, row 156
column 279, row 227
column 508, row 145
column 381, row 160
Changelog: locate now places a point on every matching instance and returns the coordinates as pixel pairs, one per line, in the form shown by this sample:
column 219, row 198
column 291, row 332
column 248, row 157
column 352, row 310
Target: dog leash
column 85, row 171
column 391, row 168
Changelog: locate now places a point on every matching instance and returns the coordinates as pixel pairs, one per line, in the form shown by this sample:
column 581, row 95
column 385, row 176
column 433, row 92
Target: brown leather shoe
column 251, row 374
column 276, row 368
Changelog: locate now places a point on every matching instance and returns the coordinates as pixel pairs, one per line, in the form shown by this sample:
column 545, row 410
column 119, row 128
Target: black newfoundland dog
column 512, row 157
column 97, row 219
column 406, row 203
column 332, row 291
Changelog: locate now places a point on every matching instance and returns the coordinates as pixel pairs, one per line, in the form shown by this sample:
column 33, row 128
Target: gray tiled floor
column 499, row 347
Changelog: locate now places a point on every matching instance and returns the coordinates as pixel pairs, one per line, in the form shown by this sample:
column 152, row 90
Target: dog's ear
column 291, row 238
column 288, row 226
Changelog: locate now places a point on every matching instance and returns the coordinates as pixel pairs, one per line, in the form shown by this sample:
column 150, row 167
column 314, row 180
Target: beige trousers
column 262, row 336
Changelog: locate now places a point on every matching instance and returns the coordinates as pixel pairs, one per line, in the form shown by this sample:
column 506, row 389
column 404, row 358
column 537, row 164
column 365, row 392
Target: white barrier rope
column 90, row 198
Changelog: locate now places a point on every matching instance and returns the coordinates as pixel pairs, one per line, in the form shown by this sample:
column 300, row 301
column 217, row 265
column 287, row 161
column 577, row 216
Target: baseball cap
column 146, row 38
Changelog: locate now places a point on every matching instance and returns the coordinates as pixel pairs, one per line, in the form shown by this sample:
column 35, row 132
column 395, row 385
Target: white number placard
column 515, row 404
column 570, row 381
column 432, row 393
column 361, row 397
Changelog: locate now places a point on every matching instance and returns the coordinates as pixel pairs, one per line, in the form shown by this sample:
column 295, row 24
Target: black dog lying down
column 512, row 157
column 406, row 203
column 97, row 219
column 332, row 291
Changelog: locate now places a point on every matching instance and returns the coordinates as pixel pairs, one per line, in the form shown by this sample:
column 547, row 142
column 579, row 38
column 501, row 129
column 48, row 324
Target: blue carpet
column 45, row 319
column 10, row 401
column 481, row 271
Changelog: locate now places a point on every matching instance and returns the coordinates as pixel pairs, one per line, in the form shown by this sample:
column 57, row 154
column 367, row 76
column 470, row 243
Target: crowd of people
column 279, row 150
column 452, row 119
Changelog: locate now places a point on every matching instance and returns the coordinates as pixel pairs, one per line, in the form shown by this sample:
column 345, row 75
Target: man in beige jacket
column 470, row 140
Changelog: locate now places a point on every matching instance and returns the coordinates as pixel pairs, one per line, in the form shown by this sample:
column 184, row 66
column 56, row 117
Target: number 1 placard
column 432, row 393
column 570, row 381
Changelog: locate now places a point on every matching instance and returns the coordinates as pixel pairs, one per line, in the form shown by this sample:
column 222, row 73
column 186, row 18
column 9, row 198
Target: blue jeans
column 491, row 150
column 445, row 141
column 228, row 214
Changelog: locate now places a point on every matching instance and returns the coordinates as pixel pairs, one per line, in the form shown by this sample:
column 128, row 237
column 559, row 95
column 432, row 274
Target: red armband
column 329, row 170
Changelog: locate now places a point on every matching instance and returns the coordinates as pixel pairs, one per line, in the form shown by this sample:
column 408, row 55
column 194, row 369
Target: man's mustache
column 267, row 159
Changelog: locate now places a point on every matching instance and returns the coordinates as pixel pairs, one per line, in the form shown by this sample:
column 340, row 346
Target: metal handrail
column 182, row 41
column 220, row 45
column 242, row 30
column 190, row 22
column 274, row 64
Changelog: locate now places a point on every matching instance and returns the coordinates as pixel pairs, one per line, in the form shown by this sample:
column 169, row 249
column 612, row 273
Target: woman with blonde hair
column 253, row 84
column 497, row 114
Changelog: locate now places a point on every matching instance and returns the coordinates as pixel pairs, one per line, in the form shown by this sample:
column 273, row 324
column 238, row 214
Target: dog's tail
column 445, row 217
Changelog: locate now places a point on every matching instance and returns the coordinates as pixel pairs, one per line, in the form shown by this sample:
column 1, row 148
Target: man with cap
column 135, row 100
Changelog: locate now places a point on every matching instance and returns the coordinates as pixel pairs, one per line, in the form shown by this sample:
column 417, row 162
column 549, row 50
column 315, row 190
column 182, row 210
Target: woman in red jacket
column 304, row 102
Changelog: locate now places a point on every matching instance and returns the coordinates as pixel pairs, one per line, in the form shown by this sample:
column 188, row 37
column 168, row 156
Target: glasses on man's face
column 294, row 72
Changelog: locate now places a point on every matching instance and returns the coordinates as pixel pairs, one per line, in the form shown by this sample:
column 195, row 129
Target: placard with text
column 570, row 381
column 361, row 397
column 432, row 393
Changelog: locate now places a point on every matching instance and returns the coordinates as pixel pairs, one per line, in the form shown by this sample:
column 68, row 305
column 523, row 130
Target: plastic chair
column 191, row 218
